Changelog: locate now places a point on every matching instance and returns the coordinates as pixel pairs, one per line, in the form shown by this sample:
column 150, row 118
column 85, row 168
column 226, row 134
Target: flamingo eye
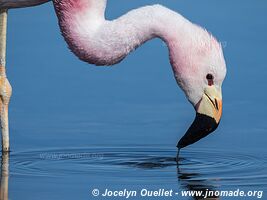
column 210, row 78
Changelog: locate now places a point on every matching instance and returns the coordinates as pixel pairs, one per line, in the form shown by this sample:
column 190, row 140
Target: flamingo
column 195, row 55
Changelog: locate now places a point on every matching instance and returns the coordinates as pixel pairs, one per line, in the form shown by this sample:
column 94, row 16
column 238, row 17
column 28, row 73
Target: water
column 75, row 127
column 60, row 173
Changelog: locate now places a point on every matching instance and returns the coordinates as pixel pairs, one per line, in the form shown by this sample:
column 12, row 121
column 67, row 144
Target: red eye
column 210, row 78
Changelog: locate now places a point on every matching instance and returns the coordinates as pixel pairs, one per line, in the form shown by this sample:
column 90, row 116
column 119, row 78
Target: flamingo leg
column 4, row 176
column 5, row 87
column 5, row 94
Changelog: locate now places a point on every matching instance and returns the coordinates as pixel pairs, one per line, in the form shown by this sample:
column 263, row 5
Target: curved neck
column 102, row 42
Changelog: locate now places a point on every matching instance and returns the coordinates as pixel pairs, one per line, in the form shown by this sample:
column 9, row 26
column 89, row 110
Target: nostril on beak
column 216, row 104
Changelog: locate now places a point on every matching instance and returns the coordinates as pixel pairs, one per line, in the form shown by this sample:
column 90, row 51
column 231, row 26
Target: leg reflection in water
column 4, row 176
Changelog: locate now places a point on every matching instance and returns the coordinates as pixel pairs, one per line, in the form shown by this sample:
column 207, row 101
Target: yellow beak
column 211, row 103
column 208, row 115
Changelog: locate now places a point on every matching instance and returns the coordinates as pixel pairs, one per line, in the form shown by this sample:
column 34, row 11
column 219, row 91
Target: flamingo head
column 200, row 69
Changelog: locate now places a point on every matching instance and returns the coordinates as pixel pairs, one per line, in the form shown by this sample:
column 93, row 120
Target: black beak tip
column 202, row 126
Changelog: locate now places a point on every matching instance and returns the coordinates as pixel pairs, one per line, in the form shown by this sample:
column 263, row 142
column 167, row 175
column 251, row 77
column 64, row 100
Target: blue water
column 75, row 127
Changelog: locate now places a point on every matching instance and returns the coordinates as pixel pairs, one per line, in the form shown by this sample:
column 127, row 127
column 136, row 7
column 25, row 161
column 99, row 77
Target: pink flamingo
column 195, row 55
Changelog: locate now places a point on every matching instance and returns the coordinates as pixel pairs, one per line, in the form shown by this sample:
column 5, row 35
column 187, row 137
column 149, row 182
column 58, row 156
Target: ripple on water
column 197, row 165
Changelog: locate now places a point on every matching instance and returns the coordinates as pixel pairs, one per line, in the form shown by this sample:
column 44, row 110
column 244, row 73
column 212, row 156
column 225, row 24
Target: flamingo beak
column 208, row 115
